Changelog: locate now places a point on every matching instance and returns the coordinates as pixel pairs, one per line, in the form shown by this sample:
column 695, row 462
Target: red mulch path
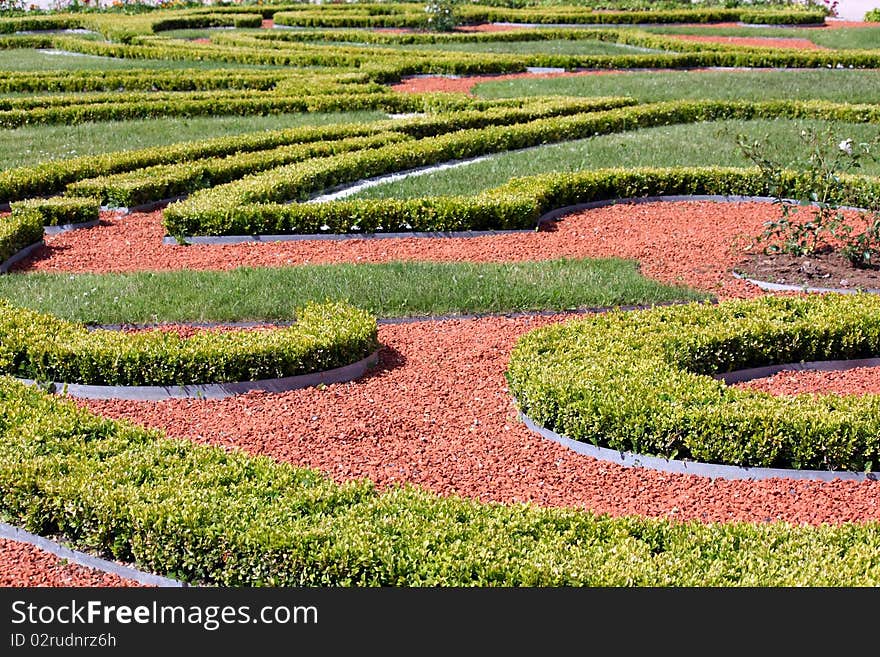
column 437, row 413
column 693, row 243
column 760, row 42
column 857, row 381
column 22, row 564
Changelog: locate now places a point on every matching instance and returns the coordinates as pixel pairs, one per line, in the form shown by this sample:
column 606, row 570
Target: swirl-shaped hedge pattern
column 642, row 381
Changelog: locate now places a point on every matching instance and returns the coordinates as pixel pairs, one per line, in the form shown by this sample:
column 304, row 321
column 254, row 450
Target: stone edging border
column 212, row 390
column 674, row 466
column 739, row 376
column 7, row 264
column 81, row 558
column 54, row 230
column 783, row 287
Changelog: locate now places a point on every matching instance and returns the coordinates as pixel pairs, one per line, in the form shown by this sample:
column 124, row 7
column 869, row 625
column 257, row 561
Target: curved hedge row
column 164, row 181
column 642, row 382
column 258, row 203
column 52, row 177
column 519, row 204
column 45, row 348
column 413, row 15
column 208, row 516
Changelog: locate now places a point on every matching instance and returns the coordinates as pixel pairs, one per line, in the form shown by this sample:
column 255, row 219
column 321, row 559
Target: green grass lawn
column 549, row 47
column 398, row 289
column 842, row 86
column 34, row 144
column 701, row 144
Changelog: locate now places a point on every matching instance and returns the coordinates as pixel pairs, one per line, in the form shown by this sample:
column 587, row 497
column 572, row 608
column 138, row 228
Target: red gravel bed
column 856, row 381
column 22, row 564
column 465, row 84
column 760, row 42
column 437, row 413
column 689, row 242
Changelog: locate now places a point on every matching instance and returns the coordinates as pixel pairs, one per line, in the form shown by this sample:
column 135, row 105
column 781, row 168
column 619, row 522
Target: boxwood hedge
column 58, row 210
column 48, row 349
column 642, row 381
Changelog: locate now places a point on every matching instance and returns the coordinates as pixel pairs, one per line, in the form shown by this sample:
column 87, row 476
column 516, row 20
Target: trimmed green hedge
column 138, row 80
column 641, row 382
column 165, row 181
column 517, row 205
column 52, row 177
column 45, row 348
column 209, row 516
column 224, row 103
column 413, row 15
column 58, row 210
column 257, row 203
column 19, row 232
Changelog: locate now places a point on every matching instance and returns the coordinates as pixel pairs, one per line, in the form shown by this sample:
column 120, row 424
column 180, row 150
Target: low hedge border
column 172, row 181
column 58, row 211
column 449, row 112
column 138, row 80
column 412, row 15
column 18, row 234
column 205, row 515
column 519, row 204
column 258, row 203
column 782, row 287
column 11, row 533
column 340, row 374
column 697, row 468
column 44, row 348
column 645, row 382
column 169, row 181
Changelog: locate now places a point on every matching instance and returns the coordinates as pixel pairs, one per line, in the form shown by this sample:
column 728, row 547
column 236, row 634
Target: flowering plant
column 817, row 223
column 440, row 16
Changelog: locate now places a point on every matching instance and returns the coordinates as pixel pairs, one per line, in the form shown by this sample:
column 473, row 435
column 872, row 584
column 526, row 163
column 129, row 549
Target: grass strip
column 698, row 144
column 396, row 289
column 837, row 85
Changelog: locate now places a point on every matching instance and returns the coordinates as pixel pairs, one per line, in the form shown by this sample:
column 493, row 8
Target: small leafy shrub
column 873, row 16
column 816, row 222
